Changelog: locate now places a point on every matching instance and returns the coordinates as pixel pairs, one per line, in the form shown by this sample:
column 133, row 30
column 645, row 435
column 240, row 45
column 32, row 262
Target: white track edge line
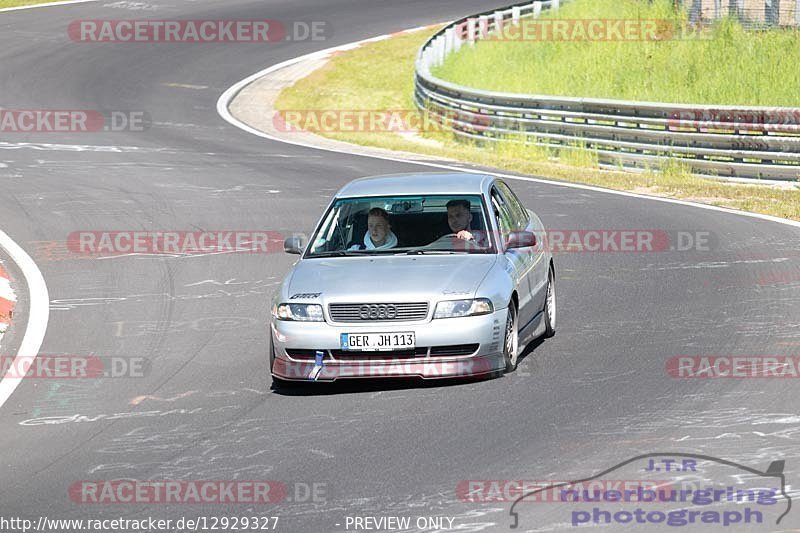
column 225, row 99
column 49, row 4
column 38, row 315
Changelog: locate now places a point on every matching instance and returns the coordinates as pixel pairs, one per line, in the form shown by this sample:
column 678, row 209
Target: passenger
column 379, row 234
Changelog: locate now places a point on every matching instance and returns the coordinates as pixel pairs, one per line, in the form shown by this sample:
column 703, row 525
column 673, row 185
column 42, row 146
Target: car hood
column 391, row 278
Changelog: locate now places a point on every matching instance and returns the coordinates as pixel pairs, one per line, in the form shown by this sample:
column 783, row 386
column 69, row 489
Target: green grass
column 380, row 76
column 734, row 66
column 17, row 3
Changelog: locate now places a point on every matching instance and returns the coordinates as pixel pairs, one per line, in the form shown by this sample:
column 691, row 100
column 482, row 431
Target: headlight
column 459, row 308
column 299, row 312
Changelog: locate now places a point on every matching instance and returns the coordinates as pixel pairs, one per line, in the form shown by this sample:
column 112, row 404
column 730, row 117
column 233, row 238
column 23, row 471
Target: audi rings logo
column 377, row 312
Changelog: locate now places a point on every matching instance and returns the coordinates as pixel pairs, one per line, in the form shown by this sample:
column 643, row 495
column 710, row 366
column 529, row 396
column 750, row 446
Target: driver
column 459, row 218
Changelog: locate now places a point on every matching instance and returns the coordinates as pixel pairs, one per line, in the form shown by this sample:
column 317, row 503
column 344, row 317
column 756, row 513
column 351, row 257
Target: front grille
column 388, row 355
column 454, row 350
column 378, row 312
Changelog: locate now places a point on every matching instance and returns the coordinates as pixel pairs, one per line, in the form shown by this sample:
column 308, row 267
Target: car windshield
column 432, row 224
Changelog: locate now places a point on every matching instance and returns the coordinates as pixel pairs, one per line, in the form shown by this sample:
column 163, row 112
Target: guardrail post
column 515, row 14
column 471, row 31
column 442, row 51
column 448, row 41
column 555, row 5
column 498, row 22
column 483, row 26
column 537, row 9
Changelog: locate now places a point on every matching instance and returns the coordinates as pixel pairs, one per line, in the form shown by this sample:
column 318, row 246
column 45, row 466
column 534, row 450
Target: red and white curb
column 38, row 312
column 7, row 300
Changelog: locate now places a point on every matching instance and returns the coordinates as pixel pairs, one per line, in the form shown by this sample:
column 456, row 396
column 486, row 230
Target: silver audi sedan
column 417, row 275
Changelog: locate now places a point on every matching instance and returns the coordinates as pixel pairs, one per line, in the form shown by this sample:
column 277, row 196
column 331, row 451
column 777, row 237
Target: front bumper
column 296, row 342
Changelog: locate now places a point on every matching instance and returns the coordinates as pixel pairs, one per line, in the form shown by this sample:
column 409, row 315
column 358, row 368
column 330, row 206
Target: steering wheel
column 449, row 238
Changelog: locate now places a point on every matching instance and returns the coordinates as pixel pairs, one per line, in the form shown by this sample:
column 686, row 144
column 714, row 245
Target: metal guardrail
column 752, row 14
column 751, row 142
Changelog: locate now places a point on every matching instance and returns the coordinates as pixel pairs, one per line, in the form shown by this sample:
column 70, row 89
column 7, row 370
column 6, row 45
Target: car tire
column 511, row 339
column 550, row 305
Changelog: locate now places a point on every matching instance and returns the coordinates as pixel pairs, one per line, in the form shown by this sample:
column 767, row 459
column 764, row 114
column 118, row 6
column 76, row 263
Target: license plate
column 378, row 341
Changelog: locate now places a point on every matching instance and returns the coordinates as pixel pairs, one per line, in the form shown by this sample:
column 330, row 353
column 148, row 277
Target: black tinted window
column 515, row 208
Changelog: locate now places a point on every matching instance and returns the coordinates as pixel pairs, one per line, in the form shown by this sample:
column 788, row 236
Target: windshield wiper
column 419, row 251
column 336, row 253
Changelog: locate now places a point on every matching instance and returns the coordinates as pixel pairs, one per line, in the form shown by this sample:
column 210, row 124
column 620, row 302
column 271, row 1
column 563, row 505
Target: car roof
column 425, row 183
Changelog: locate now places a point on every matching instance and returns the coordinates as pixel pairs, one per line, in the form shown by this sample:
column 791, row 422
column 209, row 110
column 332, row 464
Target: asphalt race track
column 591, row 397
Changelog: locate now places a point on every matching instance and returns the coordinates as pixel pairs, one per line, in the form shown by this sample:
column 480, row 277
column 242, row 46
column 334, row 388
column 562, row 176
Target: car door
column 517, row 259
column 536, row 265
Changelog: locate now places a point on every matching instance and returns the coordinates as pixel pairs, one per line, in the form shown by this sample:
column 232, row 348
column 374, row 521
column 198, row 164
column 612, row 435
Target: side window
column 518, row 211
column 505, row 219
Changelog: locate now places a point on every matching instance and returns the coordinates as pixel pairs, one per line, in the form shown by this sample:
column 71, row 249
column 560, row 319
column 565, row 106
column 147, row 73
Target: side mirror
column 521, row 239
column 295, row 244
